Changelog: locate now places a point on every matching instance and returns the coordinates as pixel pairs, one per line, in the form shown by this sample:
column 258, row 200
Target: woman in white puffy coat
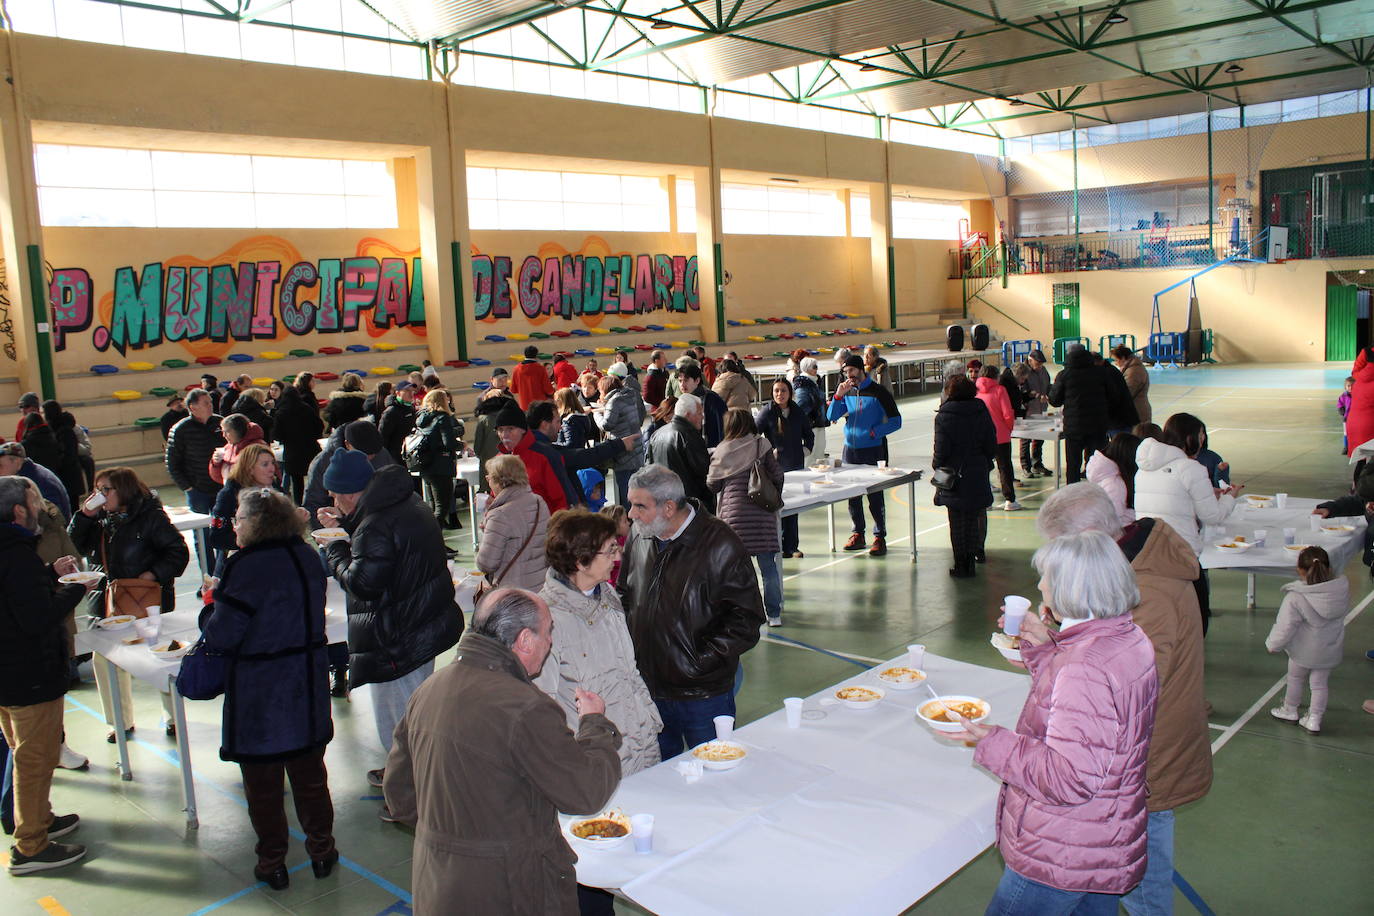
column 1173, row 487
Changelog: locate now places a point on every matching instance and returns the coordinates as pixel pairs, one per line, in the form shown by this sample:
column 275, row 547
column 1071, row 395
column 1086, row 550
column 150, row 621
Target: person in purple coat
column 1071, row 817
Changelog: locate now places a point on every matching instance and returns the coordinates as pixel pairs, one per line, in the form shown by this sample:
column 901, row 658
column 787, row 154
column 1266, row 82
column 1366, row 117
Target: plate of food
column 824, row 482
column 330, row 534
column 171, row 650
column 1296, row 548
column 856, row 697
column 1009, row 646
column 117, row 623
column 1259, row 502
column 902, row 677
column 601, row 831
column 81, row 577
column 1234, row 545
column 892, row 472
column 821, row 466
column 178, row 510
column 720, row 755
column 935, row 712
column 1338, row 529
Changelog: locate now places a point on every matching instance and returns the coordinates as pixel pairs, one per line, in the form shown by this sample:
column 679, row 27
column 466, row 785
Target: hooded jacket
column 624, row 416
column 1104, row 472
column 734, row 388
column 1311, row 622
column 998, row 403
column 592, row 650
column 965, row 440
column 255, row 413
column 1082, row 390
column 443, row 430
column 693, row 607
column 1072, row 811
column 138, row 539
column 543, row 479
column 513, row 528
column 731, row 466
column 344, row 407
column 401, row 613
column 680, row 447
column 529, row 382
column 1180, row 763
column 1171, row 486
column 68, row 468
column 231, row 451
column 1359, row 421
column 870, row 414
column 398, row 421
column 481, row 765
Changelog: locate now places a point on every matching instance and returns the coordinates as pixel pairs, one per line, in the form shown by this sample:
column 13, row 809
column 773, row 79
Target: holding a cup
column 1014, row 609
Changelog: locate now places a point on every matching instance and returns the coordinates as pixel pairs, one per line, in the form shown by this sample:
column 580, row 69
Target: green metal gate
column 1341, row 314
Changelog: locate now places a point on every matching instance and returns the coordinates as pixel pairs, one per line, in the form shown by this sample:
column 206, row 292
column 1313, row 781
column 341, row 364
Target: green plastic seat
column 538, row 335
column 620, row 330
column 162, row 391
column 175, row 363
column 147, row 422
column 407, row 367
column 302, row 353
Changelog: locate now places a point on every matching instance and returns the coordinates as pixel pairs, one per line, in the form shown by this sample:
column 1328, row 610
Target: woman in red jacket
column 1071, row 818
column 995, row 398
column 1359, row 422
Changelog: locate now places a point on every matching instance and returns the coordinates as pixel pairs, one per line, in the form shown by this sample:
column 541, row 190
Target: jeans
column 34, row 734
column 689, row 721
column 205, row 554
column 1004, row 471
column 1032, row 454
column 389, row 700
column 876, row 505
column 262, row 787
column 772, row 583
column 1017, row 895
column 1154, row 895
column 439, row 495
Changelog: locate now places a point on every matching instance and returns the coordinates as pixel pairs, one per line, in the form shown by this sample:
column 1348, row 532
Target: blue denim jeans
column 689, row 721
column 1154, row 895
column 876, row 505
column 772, row 583
column 197, row 501
column 389, row 699
column 1017, row 895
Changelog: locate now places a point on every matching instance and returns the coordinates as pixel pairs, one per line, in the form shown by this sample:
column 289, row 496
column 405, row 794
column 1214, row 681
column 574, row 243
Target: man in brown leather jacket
column 693, row 605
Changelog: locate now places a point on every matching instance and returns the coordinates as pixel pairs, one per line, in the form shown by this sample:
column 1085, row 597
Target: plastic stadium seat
column 175, row 363
column 605, row 351
column 456, row 363
column 644, row 348
column 384, row 347
column 598, row 331
column 636, row 329
column 140, row 367
column 104, row 369
column 478, row 361
column 407, row 367
column 301, row 354
column 481, row 386
column 327, row 376
column 263, row 381
column 517, row 337
column 360, row 373
column 209, row 360
column 585, row 352
column 330, row 351
column 162, row 391
column 559, row 334
column 678, row 344
column 732, row 322
column 382, row 370
column 126, row 394
column 755, row 338
column 147, row 423
column 538, row 335
column 655, row 327
column 272, row 354
column 580, row 332
column 494, row 338
column 358, row 348
column 240, row 358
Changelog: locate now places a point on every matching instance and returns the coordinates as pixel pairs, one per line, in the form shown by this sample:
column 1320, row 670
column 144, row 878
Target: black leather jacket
column 693, row 608
column 138, row 541
column 401, row 613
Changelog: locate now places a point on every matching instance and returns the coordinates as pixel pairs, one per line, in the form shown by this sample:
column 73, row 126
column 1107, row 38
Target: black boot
column 453, row 521
column 338, row 681
column 963, row 567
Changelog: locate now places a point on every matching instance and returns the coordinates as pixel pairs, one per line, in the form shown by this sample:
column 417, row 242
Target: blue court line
column 399, row 908
column 1193, row 896
column 806, row 645
column 384, row 884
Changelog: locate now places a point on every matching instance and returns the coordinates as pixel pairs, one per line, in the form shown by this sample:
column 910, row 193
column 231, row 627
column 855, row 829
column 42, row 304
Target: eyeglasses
column 614, row 550
column 105, row 488
column 239, row 520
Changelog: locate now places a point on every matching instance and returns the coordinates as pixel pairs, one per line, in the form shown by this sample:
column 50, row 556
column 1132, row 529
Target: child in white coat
column 1311, row 628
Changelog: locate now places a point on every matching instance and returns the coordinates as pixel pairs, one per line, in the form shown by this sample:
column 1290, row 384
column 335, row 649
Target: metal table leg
column 830, row 515
column 1058, row 473
column 1250, row 591
column 472, row 515
column 188, row 786
column 117, row 705
column 911, row 514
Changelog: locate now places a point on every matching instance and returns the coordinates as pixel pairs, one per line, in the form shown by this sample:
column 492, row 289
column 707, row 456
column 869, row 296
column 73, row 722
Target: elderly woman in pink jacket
column 1071, row 817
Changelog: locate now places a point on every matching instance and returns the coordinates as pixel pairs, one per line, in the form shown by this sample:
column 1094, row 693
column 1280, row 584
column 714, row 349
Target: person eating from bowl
column 1071, row 816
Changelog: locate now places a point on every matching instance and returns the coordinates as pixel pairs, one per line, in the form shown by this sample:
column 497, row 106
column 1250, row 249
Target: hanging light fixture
column 1016, row 101
column 1234, row 68
column 867, row 68
column 660, row 24
column 1115, row 18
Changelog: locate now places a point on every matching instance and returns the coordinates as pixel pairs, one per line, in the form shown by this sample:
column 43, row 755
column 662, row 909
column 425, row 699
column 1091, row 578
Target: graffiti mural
column 236, row 297
column 585, row 284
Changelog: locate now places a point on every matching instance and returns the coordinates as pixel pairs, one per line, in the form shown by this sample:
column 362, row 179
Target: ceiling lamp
column 867, row 68
column 660, row 24
column 1115, row 18
column 1234, row 68
column 1016, row 101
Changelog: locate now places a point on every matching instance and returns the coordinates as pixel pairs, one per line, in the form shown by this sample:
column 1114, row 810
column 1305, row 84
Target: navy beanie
column 348, row 472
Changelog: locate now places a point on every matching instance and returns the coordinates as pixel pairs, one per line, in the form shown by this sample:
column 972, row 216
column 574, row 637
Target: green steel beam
column 38, row 302
column 553, row 44
column 459, row 299
column 254, row 13
column 505, row 22
column 232, row 17
column 1278, row 12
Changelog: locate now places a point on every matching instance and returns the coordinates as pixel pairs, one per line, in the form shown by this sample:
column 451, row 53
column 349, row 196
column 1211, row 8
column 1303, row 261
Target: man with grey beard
column 693, row 606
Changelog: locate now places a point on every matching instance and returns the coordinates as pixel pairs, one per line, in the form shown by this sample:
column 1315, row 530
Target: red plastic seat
column 328, row 351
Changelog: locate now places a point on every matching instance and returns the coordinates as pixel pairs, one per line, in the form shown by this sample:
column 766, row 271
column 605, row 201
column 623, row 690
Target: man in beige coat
column 1137, row 380
column 483, row 762
column 1179, row 767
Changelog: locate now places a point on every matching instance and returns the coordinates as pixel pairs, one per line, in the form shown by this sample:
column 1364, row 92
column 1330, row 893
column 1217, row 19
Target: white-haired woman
column 810, row 398
column 1072, row 814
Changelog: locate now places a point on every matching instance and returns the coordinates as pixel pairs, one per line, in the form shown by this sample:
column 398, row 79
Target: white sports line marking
column 1236, row 726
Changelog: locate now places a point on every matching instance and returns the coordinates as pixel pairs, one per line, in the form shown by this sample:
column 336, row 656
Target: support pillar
column 441, row 195
column 710, row 242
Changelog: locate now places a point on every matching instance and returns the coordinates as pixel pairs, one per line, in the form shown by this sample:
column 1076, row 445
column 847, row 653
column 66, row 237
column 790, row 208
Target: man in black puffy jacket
column 401, row 612
column 692, row 603
column 1082, row 390
column 190, row 445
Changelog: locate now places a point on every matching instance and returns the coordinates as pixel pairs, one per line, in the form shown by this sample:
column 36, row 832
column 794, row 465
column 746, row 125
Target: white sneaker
column 1311, row 724
column 71, row 760
column 1011, row 505
column 775, row 621
column 1285, row 713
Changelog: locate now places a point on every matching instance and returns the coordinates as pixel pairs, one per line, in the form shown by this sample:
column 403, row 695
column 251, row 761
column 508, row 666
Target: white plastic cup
column 154, row 611
column 1014, row 609
column 916, row 655
column 1290, row 535
column 793, row 707
column 725, row 727
column 148, row 628
column 806, row 486
column 1315, row 521
column 1281, row 500
column 94, row 501
column 642, row 828
column 1260, row 535
column 882, row 464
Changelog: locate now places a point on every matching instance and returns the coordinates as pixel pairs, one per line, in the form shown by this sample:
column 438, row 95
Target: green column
column 38, row 298
column 719, row 293
column 1211, row 202
column 1075, row 191
column 459, row 300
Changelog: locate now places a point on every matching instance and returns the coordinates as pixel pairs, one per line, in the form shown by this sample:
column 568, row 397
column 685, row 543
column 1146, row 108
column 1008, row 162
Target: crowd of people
column 610, row 623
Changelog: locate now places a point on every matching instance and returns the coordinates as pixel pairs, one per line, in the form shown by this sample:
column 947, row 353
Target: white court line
column 768, row 637
column 1259, row 704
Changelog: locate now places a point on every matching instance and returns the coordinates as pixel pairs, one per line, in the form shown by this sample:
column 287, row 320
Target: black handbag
column 945, row 479
column 204, row 673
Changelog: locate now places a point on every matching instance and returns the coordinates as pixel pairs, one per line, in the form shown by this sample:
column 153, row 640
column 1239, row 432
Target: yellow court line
column 52, row 907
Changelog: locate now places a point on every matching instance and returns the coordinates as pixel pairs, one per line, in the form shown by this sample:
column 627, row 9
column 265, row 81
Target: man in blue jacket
column 871, row 416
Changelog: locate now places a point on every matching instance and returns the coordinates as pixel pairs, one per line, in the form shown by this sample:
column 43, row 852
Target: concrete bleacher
column 117, row 438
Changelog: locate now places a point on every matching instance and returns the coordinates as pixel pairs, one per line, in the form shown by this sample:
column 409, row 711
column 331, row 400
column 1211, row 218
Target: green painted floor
column 1280, row 833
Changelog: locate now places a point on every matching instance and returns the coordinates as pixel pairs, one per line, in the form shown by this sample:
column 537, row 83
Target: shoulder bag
column 945, row 479
column 490, row 584
column 762, row 491
column 128, row 596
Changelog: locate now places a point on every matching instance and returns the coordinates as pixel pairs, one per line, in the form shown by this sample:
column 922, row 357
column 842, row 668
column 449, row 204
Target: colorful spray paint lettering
column 245, row 301
column 583, row 285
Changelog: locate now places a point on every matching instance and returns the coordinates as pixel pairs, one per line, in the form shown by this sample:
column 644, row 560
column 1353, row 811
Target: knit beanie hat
column 511, row 416
column 363, row 436
column 852, row 360
column 619, row 370
column 348, row 472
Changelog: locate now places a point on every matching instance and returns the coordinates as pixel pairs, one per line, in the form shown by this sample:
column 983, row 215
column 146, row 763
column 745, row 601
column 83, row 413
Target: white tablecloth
column 184, row 519
column 847, row 481
column 1050, row 429
column 1273, row 559
column 858, row 812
